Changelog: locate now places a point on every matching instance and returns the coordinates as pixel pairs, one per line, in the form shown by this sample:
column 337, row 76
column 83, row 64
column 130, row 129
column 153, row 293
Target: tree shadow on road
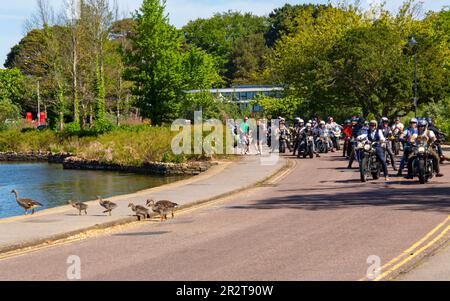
column 430, row 199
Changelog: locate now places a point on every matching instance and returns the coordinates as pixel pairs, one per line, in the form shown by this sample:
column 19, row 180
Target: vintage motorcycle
column 306, row 147
column 322, row 143
column 369, row 165
column 422, row 164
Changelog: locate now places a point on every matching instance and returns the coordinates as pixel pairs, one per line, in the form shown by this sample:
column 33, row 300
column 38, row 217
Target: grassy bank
column 128, row 146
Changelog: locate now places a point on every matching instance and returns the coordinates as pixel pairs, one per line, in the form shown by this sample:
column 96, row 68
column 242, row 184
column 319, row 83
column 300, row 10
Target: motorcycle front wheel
column 363, row 168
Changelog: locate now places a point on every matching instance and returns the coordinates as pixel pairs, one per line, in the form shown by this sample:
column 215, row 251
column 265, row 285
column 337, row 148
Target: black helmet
column 422, row 123
column 429, row 120
column 361, row 120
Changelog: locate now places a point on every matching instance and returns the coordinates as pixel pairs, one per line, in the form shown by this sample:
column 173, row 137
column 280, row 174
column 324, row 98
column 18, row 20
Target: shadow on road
column 429, row 199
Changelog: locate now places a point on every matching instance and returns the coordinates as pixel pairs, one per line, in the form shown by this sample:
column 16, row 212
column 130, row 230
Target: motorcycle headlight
column 360, row 145
column 367, row 147
column 421, row 149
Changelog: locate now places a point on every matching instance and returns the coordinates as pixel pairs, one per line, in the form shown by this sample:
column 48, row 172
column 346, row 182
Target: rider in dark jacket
column 388, row 134
column 375, row 135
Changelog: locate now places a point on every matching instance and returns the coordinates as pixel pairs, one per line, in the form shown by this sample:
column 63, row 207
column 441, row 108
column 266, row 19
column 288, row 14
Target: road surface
column 317, row 223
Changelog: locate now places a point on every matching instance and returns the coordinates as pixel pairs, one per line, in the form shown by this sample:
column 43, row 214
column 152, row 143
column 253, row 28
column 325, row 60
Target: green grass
column 130, row 145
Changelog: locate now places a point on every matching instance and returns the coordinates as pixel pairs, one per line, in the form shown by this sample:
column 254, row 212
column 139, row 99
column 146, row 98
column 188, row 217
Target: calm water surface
column 52, row 186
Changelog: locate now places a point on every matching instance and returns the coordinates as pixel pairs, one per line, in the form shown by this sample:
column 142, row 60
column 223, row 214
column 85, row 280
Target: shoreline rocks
column 71, row 162
column 155, row 168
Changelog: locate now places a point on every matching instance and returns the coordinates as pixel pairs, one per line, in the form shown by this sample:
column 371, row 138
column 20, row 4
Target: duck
column 140, row 211
column 80, row 206
column 26, row 204
column 163, row 208
column 109, row 206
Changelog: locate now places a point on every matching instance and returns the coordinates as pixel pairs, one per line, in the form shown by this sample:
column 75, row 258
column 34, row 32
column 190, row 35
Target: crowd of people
column 315, row 136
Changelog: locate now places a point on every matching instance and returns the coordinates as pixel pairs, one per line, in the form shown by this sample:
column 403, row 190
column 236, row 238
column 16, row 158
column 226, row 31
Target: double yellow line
column 415, row 250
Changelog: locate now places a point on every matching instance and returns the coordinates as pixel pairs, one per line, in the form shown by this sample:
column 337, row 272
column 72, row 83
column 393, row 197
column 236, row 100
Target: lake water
column 52, row 186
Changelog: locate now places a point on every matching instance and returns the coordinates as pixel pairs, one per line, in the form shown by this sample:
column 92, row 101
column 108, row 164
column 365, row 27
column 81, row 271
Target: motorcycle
column 306, row 147
column 422, row 165
column 336, row 135
column 397, row 146
column 369, row 163
column 322, row 143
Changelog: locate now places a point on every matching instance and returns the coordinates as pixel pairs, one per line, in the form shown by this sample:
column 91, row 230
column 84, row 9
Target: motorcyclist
column 358, row 129
column 398, row 126
column 299, row 125
column 408, row 136
column 306, row 132
column 388, row 134
column 430, row 137
column 320, row 131
column 333, row 127
column 284, row 133
column 440, row 136
column 375, row 135
column 347, row 135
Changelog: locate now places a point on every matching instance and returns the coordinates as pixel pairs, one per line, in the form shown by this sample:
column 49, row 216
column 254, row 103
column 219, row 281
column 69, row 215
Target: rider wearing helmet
column 387, row 132
column 408, row 136
column 347, row 133
column 423, row 133
column 306, row 132
column 375, row 135
column 440, row 137
column 299, row 126
column 358, row 129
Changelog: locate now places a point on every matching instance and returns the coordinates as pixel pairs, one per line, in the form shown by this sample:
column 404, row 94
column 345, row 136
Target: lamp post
column 412, row 42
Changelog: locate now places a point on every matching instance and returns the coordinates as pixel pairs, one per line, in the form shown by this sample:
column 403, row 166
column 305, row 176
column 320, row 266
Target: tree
column 284, row 21
column 249, row 59
column 344, row 62
column 11, row 93
column 218, row 36
column 155, row 62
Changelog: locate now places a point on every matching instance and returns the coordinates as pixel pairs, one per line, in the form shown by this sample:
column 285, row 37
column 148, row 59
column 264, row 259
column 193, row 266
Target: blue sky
column 14, row 14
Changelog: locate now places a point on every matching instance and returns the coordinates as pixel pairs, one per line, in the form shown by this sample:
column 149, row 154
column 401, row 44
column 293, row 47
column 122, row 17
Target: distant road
column 318, row 223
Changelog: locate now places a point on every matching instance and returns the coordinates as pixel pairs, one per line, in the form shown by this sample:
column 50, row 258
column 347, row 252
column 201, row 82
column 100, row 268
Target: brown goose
column 140, row 211
column 27, row 204
column 80, row 206
column 109, row 206
column 163, row 208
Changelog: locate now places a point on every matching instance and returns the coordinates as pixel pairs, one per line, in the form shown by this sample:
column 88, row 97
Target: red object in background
column 42, row 117
column 29, row 116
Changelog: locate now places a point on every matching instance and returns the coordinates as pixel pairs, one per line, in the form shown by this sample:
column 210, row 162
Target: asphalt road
column 318, row 223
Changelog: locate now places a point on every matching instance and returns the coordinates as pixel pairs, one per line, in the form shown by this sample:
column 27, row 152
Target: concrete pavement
column 317, row 223
column 61, row 222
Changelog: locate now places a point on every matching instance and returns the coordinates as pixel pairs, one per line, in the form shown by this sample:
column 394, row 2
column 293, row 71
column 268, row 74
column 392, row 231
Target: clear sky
column 13, row 13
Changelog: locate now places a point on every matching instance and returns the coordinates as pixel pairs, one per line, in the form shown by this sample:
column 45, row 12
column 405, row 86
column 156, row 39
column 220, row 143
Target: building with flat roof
column 243, row 95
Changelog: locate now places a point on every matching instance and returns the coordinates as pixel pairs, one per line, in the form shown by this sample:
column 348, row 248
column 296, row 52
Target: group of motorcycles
column 313, row 139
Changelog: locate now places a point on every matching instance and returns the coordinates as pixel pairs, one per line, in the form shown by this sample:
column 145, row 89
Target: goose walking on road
column 140, row 211
column 163, row 208
column 26, row 204
column 109, row 206
column 80, row 206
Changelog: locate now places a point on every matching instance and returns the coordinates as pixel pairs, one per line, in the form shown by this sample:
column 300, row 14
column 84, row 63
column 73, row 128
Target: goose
column 80, row 206
column 163, row 208
column 140, row 211
column 109, row 206
column 27, row 204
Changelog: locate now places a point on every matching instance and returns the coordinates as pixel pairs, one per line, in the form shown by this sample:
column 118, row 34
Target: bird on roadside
column 163, row 208
column 140, row 211
column 26, row 204
column 109, row 206
column 80, row 206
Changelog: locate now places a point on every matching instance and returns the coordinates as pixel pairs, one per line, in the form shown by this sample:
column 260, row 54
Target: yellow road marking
column 415, row 245
column 419, row 251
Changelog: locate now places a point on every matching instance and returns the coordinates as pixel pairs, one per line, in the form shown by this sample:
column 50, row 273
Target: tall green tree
column 155, row 62
column 219, row 34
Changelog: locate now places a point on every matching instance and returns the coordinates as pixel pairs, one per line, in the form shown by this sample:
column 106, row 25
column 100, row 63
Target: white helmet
column 308, row 125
